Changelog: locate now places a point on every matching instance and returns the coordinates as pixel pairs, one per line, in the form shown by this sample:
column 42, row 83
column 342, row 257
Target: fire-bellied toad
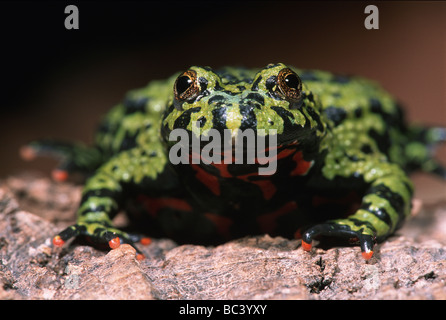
column 342, row 152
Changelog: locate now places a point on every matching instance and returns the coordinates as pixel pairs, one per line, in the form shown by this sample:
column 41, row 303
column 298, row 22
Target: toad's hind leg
column 419, row 152
column 73, row 157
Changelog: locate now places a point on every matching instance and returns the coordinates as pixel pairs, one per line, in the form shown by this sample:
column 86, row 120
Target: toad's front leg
column 103, row 196
column 385, row 205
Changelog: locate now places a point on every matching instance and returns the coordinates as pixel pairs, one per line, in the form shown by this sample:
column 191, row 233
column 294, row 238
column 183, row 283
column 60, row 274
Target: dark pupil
column 292, row 81
column 183, row 84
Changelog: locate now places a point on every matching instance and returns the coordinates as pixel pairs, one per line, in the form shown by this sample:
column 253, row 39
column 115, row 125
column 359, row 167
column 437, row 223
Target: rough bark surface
column 409, row 265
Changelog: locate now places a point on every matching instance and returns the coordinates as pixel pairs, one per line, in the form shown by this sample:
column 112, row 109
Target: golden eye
column 289, row 85
column 186, row 87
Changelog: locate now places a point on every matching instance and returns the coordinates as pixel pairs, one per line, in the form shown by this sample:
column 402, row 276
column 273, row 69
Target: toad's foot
column 346, row 228
column 99, row 233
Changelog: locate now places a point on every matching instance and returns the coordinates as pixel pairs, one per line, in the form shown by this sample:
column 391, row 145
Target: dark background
column 57, row 82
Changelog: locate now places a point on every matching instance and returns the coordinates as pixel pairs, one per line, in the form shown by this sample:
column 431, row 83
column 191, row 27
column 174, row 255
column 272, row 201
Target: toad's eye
column 289, row 85
column 186, row 88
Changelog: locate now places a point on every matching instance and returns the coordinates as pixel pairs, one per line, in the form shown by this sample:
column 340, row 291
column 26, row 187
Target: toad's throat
column 213, row 174
column 260, row 166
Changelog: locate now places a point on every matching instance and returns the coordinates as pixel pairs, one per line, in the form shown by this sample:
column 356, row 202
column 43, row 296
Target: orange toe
column 59, row 175
column 27, row 153
column 146, row 241
column 367, row 255
column 58, row 242
column 306, row 246
column 114, row 243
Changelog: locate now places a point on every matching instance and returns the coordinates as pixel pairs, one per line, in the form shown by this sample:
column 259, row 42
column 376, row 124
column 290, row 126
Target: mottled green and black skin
column 344, row 152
